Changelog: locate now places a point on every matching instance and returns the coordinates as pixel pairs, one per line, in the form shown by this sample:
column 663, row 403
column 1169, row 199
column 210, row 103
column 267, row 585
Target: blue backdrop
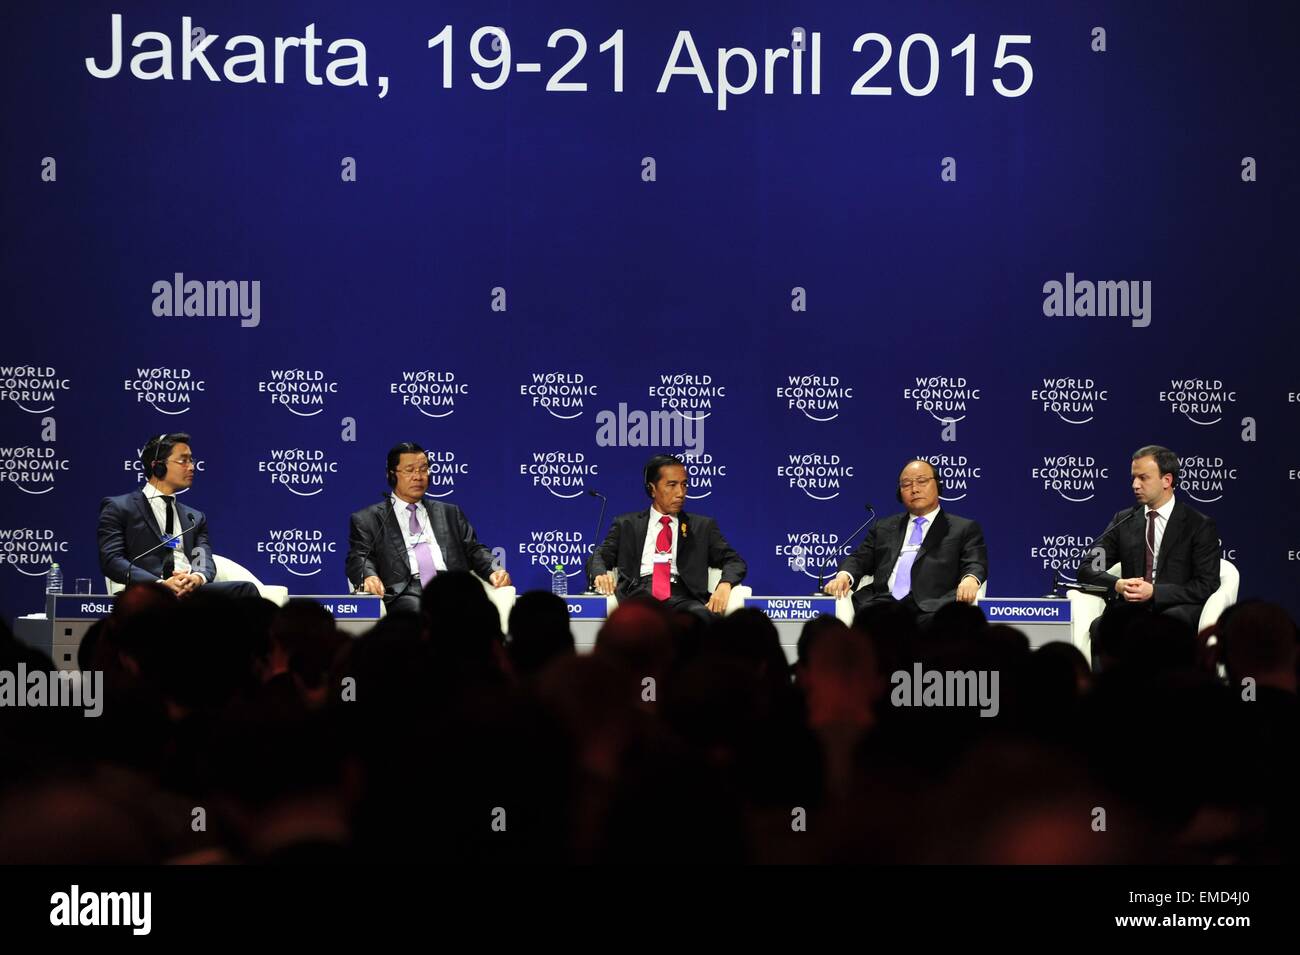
column 831, row 283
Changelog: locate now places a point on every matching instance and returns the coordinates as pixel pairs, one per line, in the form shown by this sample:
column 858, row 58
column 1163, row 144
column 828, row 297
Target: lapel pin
column 683, row 528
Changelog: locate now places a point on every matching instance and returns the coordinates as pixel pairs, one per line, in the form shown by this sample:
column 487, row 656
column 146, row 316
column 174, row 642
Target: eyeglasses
column 414, row 470
column 922, row 483
column 185, row 462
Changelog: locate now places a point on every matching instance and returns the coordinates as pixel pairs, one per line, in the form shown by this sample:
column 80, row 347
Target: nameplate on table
column 351, row 607
column 587, row 606
column 1015, row 610
column 792, row 608
column 78, row 606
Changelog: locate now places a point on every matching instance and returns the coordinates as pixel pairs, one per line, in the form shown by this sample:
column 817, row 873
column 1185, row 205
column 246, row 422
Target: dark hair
column 650, row 474
column 395, row 454
column 1166, row 460
column 159, row 448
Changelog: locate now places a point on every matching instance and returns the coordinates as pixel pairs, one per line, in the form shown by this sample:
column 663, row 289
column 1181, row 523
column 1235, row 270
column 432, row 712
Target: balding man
column 923, row 558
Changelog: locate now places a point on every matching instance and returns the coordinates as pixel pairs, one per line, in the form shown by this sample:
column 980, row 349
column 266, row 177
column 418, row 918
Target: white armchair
column 739, row 593
column 1085, row 608
column 844, row 605
column 503, row 598
column 227, row 569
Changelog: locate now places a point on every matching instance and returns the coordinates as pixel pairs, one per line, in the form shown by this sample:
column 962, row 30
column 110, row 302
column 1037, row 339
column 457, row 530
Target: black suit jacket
column 128, row 528
column 700, row 545
column 376, row 547
column 953, row 548
column 1187, row 564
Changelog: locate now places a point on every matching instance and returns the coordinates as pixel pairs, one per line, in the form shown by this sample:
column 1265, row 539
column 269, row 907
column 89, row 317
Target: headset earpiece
column 158, row 467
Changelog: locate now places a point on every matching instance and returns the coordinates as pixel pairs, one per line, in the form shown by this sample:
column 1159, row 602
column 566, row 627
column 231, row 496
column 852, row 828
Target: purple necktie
column 903, row 579
column 423, row 556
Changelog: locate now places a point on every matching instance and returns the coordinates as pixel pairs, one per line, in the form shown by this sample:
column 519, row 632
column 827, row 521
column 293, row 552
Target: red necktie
column 662, row 586
column 1151, row 546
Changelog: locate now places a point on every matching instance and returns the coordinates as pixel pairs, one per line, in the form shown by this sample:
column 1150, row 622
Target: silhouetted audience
column 539, row 632
column 435, row 738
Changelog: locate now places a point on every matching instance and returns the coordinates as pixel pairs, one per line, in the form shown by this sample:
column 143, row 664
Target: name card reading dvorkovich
column 1025, row 610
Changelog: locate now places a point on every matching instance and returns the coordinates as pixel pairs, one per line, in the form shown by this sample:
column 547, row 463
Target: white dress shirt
column 651, row 536
column 180, row 559
column 1162, row 521
column 425, row 534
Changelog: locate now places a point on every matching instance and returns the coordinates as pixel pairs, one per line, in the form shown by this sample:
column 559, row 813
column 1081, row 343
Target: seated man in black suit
column 663, row 552
column 148, row 535
column 397, row 546
column 922, row 559
column 1168, row 553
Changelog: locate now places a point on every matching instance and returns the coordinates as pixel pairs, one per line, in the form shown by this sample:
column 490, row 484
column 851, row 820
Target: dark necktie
column 1148, row 575
column 169, row 559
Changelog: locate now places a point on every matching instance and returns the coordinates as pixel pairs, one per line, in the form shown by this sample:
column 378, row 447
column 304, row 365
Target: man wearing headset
column 1168, row 552
column 397, row 546
column 152, row 536
column 923, row 558
column 663, row 552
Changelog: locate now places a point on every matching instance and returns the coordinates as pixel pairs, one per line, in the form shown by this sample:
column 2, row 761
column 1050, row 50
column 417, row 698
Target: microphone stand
column 821, row 569
column 595, row 540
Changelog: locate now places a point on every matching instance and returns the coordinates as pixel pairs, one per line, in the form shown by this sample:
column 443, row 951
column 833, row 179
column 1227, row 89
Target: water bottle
column 54, row 580
column 559, row 582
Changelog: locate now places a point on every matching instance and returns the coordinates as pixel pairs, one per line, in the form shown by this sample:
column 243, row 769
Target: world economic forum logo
column 30, row 550
column 553, row 545
column 820, row 475
column 1062, row 553
column 1074, row 477
column 1205, row 478
column 1200, row 400
column 811, row 552
column 445, row 467
column 561, row 473
column 168, row 391
column 1073, row 400
column 705, row 472
column 691, row 396
column 561, row 393
column 26, row 385
column 300, row 391
column 299, row 550
column 301, row 471
column 958, row 472
column 432, row 393
column 944, row 399
column 819, row 397
column 33, row 470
